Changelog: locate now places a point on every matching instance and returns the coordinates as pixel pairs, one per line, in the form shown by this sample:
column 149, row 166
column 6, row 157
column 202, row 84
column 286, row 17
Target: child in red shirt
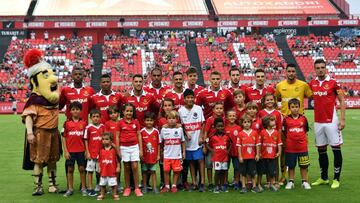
column 93, row 145
column 151, row 150
column 74, row 147
column 219, row 144
column 233, row 130
column 249, row 153
column 251, row 110
column 109, row 166
column 239, row 100
column 270, row 149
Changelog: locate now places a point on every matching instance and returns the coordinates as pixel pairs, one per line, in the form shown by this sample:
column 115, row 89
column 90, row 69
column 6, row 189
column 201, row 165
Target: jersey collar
column 327, row 78
column 101, row 94
column 72, row 86
column 97, row 127
column 143, row 93
column 186, row 86
column 209, row 88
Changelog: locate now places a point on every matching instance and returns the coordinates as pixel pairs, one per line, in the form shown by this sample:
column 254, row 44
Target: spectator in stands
column 32, row 35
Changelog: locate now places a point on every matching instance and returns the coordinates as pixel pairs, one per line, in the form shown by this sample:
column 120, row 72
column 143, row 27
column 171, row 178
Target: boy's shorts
column 92, row 165
column 108, row 181
column 172, row 164
column 194, row 155
column 79, row 157
column 248, row 167
column 217, row 166
column 302, row 158
column 148, row 167
column 208, row 162
column 130, row 153
column 267, row 167
column 235, row 163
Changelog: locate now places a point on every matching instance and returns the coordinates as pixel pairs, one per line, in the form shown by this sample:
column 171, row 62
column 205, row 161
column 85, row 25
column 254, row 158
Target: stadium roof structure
column 14, row 7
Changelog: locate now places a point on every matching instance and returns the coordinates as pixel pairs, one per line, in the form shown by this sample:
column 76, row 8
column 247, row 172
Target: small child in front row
column 219, row 144
column 270, row 140
column 151, row 151
column 109, row 166
column 296, row 127
column 249, row 152
column 173, row 147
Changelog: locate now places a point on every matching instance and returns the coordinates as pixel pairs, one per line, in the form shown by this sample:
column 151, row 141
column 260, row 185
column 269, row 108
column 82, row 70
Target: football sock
column 324, row 163
column 337, row 162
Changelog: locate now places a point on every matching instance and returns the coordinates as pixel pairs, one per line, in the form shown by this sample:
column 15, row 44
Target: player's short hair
column 245, row 117
column 94, row 112
column 252, row 105
column 290, row 65
column 215, row 73
column 177, row 73
column 75, row 105
column 230, row 111
column 105, row 76
column 188, row 92
column 156, row 69
column 266, row 120
column 137, row 76
column 218, row 103
column 218, row 120
column 112, row 109
column 317, row 61
column 259, row 70
column 172, row 114
column 237, row 92
column 294, row 101
column 124, row 107
column 107, row 134
column 191, row 70
column 149, row 115
column 234, row 69
column 268, row 95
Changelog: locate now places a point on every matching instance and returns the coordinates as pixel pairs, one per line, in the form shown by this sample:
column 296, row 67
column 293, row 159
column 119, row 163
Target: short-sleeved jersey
column 73, row 133
column 108, row 162
column 299, row 90
column 248, row 142
column 192, row 121
column 103, row 102
column 161, row 122
column 232, row 89
column 128, row 132
column 207, row 98
column 220, row 145
column 93, row 136
column 296, row 134
column 270, row 140
column 255, row 95
column 325, row 94
column 233, row 133
column 178, row 98
column 113, row 128
column 172, row 139
column 239, row 112
column 71, row 94
column 143, row 103
column 209, row 126
column 158, row 93
column 278, row 116
column 256, row 125
column 196, row 89
column 150, row 140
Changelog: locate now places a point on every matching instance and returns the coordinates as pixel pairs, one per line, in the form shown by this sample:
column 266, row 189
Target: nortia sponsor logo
column 141, row 109
column 97, row 138
column 79, row 100
column 76, row 133
column 297, row 130
column 106, row 161
column 318, row 93
column 220, row 147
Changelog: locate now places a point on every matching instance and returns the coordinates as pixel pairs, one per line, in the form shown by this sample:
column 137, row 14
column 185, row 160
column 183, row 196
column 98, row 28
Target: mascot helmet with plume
column 43, row 81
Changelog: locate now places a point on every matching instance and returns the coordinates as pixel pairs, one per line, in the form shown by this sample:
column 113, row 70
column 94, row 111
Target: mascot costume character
column 40, row 116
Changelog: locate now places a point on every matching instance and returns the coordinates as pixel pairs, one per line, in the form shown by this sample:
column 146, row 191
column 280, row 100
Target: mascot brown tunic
column 40, row 116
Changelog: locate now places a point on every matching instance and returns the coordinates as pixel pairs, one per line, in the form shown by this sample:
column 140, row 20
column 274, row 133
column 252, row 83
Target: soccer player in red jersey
column 327, row 126
column 296, row 128
column 192, row 78
column 76, row 92
column 239, row 100
column 156, row 87
column 270, row 140
column 219, row 144
column 234, row 84
column 215, row 93
column 233, row 130
column 74, row 148
column 93, row 145
column 142, row 100
column 176, row 93
column 105, row 98
column 109, row 166
column 259, row 89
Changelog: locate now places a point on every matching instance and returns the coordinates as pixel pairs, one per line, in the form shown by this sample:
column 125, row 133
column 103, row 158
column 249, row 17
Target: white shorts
column 220, row 165
column 92, row 165
column 328, row 133
column 108, row 181
column 130, row 153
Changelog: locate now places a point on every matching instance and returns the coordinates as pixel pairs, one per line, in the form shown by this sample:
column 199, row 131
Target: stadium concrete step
column 97, row 53
column 193, row 56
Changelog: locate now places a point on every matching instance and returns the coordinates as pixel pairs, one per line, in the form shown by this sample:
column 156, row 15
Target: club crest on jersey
column 86, row 94
column 176, row 134
column 145, row 101
column 236, row 133
column 195, row 115
column 296, row 89
column 326, row 86
column 134, row 126
column 222, row 96
column 114, row 100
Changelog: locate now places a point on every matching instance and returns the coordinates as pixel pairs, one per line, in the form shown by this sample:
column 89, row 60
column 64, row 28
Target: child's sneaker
column 243, row 190
column 100, row 197
column 84, row 192
column 174, row 189
column 138, row 192
column 290, row 185
column 127, row 192
column 216, row 190
column 116, row 197
column 156, row 191
column 210, row 187
column 306, row 185
column 144, row 190
column 91, row 193
column 68, row 193
column 261, row 189
column 120, row 189
column 202, row 188
column 38, row 191
column 273, row 188
column 236, row 186
column 97, row 188
column 224, row 188
column 255, row 190
column 165, row 189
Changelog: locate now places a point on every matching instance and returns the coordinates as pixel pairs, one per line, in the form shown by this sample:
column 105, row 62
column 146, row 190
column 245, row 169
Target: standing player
column 234, row 84
column 192, row 78
column 259, row 89
column 76, row 92
column 192, row 119
column 105, row 98
column 327, row 126
column 176, row 93
column 215, row 93
column 156, row 87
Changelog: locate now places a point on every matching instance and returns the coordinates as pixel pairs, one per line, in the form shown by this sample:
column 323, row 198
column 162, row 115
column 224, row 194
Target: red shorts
column 172, row 164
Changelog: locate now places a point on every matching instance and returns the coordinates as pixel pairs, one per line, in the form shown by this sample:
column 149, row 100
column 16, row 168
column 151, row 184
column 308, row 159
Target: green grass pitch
column 16, row 184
